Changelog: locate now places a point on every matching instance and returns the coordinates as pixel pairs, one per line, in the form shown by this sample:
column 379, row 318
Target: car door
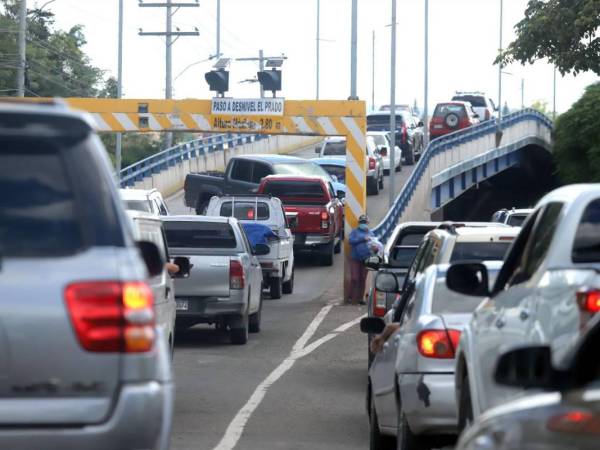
column 255, row 274
column 239, row 179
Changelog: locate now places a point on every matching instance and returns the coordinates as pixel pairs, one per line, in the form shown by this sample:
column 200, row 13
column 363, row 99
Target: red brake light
column 250, row 214
column 575, row 422
column 372, row 163
column 379, row 303
column 324, row 215
column 438, row 343
column 589, row 301
column 236, row 275
column 112, row 316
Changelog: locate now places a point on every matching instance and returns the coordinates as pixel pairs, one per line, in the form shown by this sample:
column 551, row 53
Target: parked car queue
column 468, row 347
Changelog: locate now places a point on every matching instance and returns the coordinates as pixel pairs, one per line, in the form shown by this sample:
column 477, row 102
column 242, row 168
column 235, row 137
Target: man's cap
column 363, row 219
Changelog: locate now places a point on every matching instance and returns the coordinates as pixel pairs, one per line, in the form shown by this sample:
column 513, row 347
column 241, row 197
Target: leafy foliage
column 564, row 31
column 577, row 139
column 541, row 106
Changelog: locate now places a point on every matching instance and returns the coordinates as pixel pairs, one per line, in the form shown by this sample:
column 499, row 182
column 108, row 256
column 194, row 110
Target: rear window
column 479, row 251
column 379, row 140
column 200, row 235
column 138, row 205
column 402, row 257
column 38, row 214
column 586, row 248
column 443, row 110
column 338, row 171
column 334, row 149
column 516, row 220
column 476, row 101
column 383, row 120
column 297, row 192
column 246, row 210
column 412, row 238
column 446, row 301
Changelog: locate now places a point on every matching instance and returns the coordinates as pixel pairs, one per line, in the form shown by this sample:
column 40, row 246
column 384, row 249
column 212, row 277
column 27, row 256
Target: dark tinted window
column 477, row 101
column 199, row 235
column 246, row 210
column 335, row 149
column 138, row 205
column 480, row 251
column 444, row 109
column 586, row 247
column 412, row 238
column 516, row 220
column 338, row 171
column 38, row 213
column 297, row 192
column 242, row 170
column 260, row 171
column 383, row 121
column 402, row 257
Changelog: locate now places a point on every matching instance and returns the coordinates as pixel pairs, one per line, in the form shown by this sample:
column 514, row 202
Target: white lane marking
column 236, row 427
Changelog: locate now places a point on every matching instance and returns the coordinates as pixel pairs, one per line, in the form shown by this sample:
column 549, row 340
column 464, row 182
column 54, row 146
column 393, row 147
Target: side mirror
column 372, row 325
column 420, row 124
column 527, row 367
column 261, row 250
column 341, row 195
column 152, row 257
column 468, row 279
column 317, row 150
column 387, row 282
column 184, row 267
column 373, row 263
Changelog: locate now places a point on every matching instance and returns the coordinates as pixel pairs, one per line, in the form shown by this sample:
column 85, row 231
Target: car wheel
column 202, row 205
column 338, row 247
column 381, row 181
column 327, row 255
column 254, row 320
column 410, row 157
column 288, row 286
column 405, row 438
column 465, row 406
column 377, row 441
column 239, row 336
column 374, row 189
column 275, row 287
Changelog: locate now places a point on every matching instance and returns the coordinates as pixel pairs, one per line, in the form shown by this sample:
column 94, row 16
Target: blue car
column 336, row 168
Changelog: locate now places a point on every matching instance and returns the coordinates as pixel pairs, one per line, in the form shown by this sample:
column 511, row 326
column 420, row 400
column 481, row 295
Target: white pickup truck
column 278, row 264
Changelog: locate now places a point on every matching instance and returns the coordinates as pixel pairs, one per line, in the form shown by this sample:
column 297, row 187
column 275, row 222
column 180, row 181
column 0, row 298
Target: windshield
column 477, row 101
column 138, row 205
column 338, row 171
column 516, row 220
column 334, row 149
column 383, row 121
column 443, row 110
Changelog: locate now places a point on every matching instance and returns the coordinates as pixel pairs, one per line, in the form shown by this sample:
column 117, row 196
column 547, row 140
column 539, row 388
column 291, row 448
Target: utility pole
column 118, row 149
column 261, row 64
column 500, row 66
column 318, row 45
column 22, row 63
column 426, row 80
column 393, row 108
column 218, row 54
column 353, row 51
column 168, row 35
column 373, row 75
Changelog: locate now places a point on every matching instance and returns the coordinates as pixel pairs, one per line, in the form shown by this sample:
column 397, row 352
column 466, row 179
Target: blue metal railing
column 441, row 145
column 175, row 155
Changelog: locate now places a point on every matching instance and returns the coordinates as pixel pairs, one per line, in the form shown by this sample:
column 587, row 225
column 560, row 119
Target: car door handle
column 500, row 322
column 524, row 315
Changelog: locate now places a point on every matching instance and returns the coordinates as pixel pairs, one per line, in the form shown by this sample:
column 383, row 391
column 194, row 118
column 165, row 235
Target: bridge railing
column 188, row 150
column 447, row 150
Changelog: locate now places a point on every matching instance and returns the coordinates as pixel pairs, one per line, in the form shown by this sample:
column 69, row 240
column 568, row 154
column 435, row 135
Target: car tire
column 338, row 247
column 288, row 286
column 255, row 319
column 377, row 441
column 465, row 405
column 405, row 438
column 239, row 336
column 327, row 255
column 381, row 181
column 386, row 172
column 410, row 157
column 373, row 189
column 201, row 205
column 275, row 287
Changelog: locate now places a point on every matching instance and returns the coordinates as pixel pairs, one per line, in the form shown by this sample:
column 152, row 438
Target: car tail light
column 112, row 316
column 236, row 275
column 575, row 422
column 379, row 303
column 250, row 214
column 372, row 163
column 438, row 343
column 324, row 220
column 589, row 300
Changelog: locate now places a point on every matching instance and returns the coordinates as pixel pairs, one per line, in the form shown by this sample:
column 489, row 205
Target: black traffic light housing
column 218, row 80
column 270, row 80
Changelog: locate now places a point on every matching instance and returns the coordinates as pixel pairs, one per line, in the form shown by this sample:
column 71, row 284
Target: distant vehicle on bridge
column 401, row 107
column 481, row 103
column 383, row 142
column 408, row 133
column 314, row 213
column 243, row 175
column 513, row 217
column 449, row 117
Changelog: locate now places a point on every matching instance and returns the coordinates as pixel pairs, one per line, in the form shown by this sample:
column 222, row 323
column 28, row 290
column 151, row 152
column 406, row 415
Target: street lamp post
column 426, row 80
column 500, row 66
column 318, row 45
column 119, row 137
column 393, row 108
column 353, row 50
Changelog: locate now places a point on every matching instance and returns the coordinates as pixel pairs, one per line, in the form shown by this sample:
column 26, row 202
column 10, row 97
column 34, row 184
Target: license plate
column 181, row 305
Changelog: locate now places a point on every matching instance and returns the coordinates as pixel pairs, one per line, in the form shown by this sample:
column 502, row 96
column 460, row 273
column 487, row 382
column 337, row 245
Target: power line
column 58, row 52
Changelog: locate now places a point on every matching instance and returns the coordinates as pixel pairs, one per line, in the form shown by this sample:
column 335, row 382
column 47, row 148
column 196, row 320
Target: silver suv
column 80, row 356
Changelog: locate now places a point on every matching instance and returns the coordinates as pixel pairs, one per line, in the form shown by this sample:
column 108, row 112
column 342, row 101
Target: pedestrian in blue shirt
column 359, row 244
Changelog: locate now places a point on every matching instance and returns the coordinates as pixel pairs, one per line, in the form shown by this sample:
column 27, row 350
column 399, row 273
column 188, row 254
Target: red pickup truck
column 314, row 213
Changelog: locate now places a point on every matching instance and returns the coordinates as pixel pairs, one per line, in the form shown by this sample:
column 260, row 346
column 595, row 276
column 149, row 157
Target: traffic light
column 270, row 80
column 218, row 80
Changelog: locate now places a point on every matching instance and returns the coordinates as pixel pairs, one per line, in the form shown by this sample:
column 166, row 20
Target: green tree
column 541, row 106
column 577, row 139
column 563, row 31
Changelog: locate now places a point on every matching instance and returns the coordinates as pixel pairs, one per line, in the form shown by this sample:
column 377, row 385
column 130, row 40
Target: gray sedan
column 411, row 381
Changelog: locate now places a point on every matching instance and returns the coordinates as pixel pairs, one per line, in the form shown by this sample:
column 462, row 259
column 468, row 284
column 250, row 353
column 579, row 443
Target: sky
column 464, row 39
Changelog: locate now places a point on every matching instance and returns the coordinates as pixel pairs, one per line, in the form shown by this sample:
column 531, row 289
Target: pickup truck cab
column 278, row 264
column 243, row 175
column 315, row 214
column 224, row 285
